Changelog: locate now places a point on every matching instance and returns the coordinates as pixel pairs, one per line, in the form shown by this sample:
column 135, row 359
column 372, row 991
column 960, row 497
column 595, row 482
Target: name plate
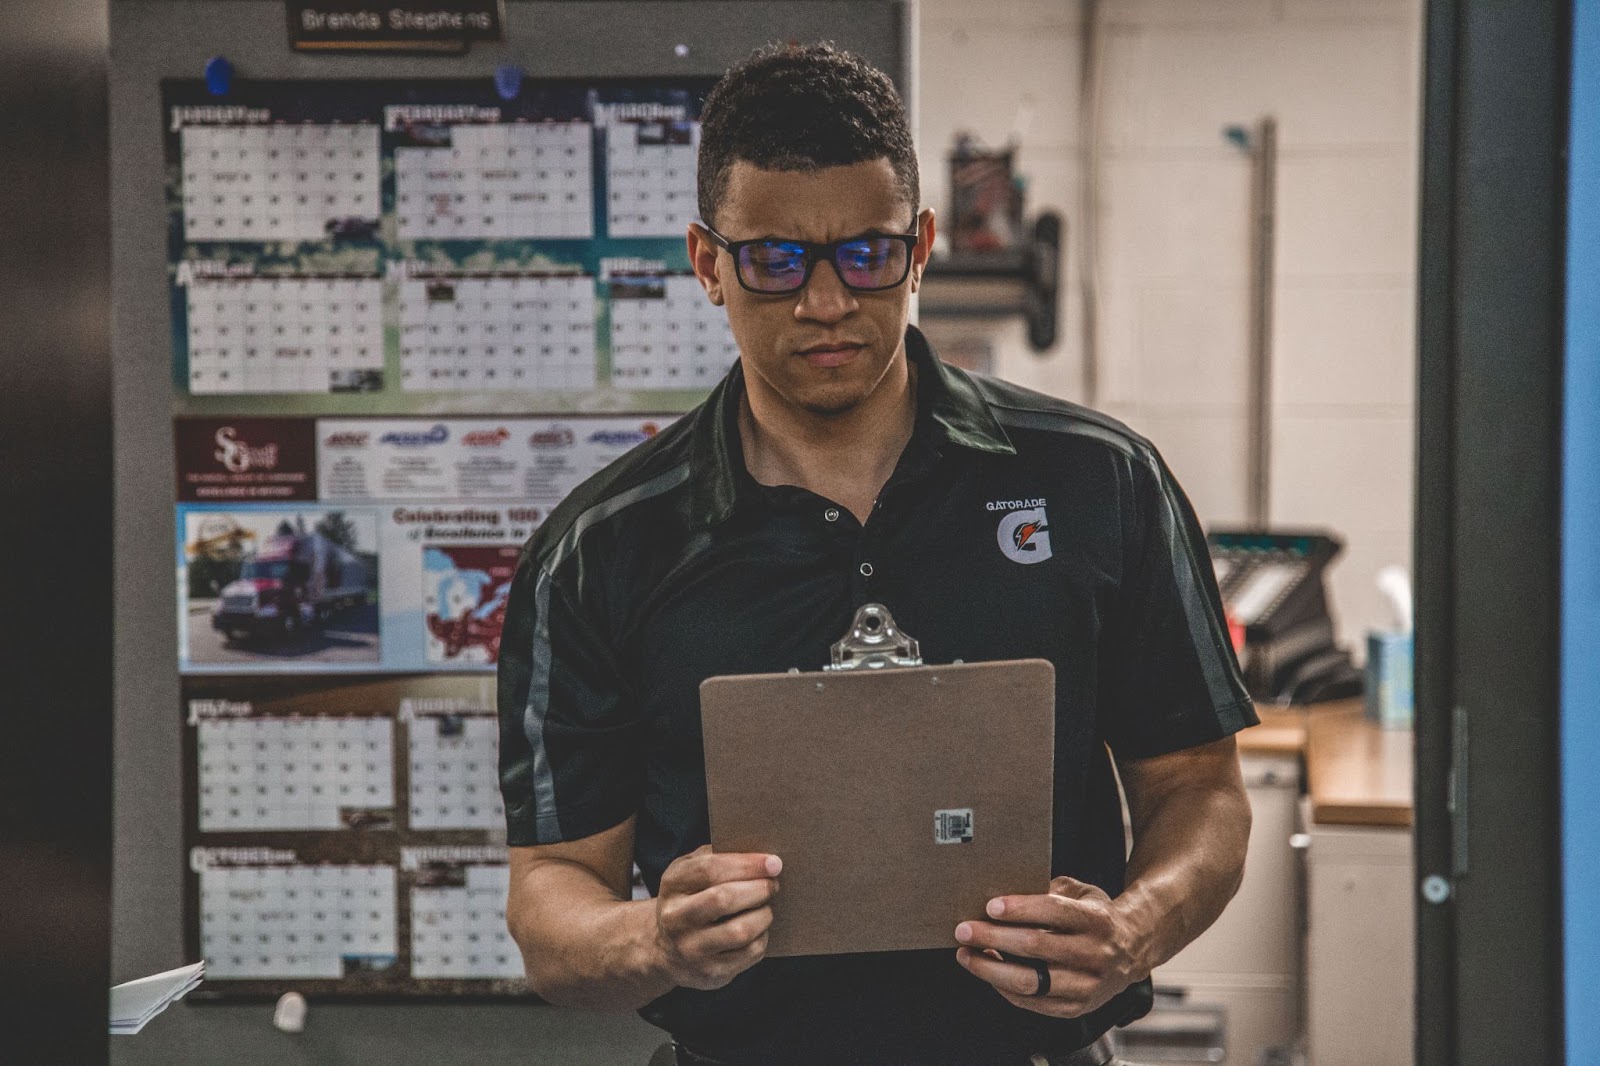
column 394, row 25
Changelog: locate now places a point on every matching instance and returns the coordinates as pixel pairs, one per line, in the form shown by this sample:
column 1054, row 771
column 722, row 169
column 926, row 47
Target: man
column 841, row 463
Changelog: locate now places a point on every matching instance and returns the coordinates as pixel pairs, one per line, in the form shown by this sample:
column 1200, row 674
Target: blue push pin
column 508, row 81
column 219, row 75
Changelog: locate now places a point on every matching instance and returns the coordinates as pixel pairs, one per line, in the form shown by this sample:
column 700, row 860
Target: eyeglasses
column 771, row 266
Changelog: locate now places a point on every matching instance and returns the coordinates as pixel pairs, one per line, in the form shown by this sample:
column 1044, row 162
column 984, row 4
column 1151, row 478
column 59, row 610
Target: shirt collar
column 950, row 409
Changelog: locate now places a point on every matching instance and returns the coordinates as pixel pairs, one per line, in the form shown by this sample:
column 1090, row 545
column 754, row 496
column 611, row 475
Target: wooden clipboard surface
column 841, row 775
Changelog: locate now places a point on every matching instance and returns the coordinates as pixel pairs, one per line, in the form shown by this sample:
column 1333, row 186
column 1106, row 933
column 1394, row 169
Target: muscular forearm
column 1187, row 861
column 584, row 946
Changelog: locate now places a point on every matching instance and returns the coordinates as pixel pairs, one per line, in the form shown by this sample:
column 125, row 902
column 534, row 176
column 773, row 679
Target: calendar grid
column 453, row 763
column 498, row 181
column 650, row 178
column 665, row 334
column 299, row 773
column 497, row 332
column 281, row 182
column 284, row 334
column 306, row 921
column 458, row 931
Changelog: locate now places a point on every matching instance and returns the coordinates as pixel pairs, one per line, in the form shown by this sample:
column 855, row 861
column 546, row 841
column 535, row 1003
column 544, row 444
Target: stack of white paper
column 134, row 1003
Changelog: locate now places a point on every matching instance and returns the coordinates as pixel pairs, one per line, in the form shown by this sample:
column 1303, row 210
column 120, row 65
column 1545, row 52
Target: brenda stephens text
column 419, row 20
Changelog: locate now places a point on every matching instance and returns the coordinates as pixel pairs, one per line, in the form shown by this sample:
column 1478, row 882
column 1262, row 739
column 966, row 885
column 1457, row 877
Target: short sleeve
column 1169, row 678
column 570, row 764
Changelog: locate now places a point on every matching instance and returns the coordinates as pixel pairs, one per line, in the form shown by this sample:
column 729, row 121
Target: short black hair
column 802, row 107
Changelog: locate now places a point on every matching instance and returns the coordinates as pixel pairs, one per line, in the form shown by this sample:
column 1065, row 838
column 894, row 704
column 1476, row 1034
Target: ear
column 924, row 248
column 704, row 257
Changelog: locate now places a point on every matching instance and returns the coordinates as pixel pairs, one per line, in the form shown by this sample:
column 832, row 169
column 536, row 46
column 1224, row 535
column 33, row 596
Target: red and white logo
column 239, row 457
column 1024, row 535
column 486, row 438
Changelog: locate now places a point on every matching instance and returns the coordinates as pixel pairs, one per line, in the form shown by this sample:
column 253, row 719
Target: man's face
column 822, row 348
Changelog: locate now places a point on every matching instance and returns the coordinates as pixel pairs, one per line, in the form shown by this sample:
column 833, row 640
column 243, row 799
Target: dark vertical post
column 1435, row 535
column 55, row 532
column 1488, row 532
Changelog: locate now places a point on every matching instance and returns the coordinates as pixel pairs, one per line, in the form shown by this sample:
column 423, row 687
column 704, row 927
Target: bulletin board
column 373, row 321
column 336, row 248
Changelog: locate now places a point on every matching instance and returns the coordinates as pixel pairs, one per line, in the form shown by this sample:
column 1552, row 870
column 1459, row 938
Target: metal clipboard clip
column 874, row 643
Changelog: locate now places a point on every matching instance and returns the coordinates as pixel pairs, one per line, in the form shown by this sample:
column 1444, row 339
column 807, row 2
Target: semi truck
column 294, row 580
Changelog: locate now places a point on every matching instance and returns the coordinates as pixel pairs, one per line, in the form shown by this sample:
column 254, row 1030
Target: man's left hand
column 1090, row 947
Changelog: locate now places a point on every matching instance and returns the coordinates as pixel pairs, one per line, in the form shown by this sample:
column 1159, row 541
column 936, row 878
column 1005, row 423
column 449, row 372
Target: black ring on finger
column 1041, row 968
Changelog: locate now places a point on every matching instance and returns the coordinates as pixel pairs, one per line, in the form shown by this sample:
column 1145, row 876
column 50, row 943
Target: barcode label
column 953, row 827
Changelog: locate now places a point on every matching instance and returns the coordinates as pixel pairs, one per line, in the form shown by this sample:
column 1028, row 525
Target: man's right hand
column 713, row 913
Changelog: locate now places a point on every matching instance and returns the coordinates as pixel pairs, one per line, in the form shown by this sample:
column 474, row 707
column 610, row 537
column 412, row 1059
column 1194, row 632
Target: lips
column 831, row 353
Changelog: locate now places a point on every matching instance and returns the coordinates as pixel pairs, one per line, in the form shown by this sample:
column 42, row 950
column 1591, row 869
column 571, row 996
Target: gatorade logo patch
column 1024, row 535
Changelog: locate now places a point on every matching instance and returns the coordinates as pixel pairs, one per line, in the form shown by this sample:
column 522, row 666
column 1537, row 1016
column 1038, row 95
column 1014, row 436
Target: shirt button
column 831, row 514
column 866, row 569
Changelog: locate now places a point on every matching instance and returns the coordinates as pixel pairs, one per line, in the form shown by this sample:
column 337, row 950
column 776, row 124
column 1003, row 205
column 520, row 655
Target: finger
column 718, row 970
column 703, row 868
column 740, row 959
column 1066, row 914
column 1018, row 978
column 1074, row 951
column 719, row 902
column 1050, row 1006
column 735, row 934
column 1075, row 889
column 1022, row 980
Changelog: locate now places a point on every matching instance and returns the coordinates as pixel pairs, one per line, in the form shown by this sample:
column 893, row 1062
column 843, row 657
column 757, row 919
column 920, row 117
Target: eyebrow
column 873, row 231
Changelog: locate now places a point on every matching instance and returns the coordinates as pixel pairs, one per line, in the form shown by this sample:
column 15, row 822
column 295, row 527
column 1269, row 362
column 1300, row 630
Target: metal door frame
column 1490, row 335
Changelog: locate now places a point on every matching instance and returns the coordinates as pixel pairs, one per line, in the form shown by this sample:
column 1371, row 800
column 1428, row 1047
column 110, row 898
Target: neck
column 845, row 457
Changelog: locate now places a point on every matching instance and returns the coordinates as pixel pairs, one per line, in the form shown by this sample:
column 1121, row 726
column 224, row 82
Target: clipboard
column 901, row 797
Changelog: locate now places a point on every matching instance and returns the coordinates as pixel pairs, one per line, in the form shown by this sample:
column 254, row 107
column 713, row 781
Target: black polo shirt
column 1014, row 526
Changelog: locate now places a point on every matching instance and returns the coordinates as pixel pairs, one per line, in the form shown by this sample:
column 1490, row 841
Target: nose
column 825, row 297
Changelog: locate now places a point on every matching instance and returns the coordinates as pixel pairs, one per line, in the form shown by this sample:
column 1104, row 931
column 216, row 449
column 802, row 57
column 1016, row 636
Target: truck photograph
column 294, row 580
column 264, row 587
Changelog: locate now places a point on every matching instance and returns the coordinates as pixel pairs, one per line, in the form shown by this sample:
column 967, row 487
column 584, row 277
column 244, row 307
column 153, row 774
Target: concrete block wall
column 1343, row 80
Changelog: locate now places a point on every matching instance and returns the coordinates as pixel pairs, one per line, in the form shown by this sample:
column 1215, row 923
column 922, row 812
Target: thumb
column 1072, row 888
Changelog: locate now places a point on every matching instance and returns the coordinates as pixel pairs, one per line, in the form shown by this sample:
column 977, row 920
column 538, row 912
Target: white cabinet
column 1360, row 974
column 1249, row 961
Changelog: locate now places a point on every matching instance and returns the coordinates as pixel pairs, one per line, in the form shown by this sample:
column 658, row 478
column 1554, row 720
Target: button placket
column 867, row 548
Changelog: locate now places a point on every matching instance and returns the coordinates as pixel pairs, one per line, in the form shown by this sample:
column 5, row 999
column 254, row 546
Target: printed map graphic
column 464, row 591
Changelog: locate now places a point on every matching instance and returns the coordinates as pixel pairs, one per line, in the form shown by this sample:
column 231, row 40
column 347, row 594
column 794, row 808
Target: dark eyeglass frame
column 814, row 254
